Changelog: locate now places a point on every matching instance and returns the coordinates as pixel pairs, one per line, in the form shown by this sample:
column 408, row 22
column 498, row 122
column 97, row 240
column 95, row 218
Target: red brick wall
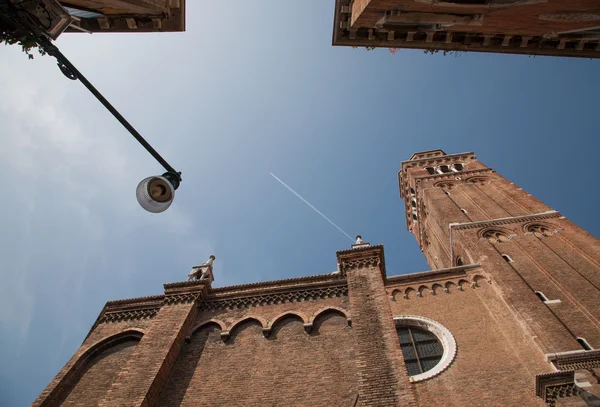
column 98, row 375
column 544, row 264
column 290, row 367
column 103, row 337
column 382, row 377
column 145, row 375
column 497, row 360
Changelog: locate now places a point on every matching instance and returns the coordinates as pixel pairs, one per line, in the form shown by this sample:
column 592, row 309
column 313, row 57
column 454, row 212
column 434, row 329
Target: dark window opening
column 459, row 261
column 458, row 166
column 421, row 349
column 541, row 296
column 507, row 258
column 444, row 169
column 412, row 191
column 430, row 170
column 584, row 344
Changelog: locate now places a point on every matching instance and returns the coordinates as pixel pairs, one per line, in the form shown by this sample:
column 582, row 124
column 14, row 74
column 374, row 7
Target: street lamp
column 155, row 194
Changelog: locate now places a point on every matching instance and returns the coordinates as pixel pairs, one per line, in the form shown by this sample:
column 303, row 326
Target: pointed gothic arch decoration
column 68, row 382
column 225, row 335
column 478, row 180
column 267, row 331
column 540, row 229
column 201, row 325
column 495, row 235
column 325, row 310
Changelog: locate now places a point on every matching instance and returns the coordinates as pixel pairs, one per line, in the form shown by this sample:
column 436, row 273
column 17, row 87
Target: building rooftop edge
column 432, row 273
column 437, row 157
column 428, row 151
column 257, row 285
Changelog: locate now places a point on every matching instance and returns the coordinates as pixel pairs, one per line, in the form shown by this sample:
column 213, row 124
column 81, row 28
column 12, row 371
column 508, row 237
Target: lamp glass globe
column 155, row 194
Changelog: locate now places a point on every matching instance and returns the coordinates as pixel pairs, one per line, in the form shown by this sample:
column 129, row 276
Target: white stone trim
column 441, row 333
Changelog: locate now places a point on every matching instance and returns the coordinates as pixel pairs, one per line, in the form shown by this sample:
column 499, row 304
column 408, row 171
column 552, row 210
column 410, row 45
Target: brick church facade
column 509, row 315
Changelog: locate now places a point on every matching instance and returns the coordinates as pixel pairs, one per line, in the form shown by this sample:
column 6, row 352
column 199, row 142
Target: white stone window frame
column 440, row 332
column 454, row 169
column 491, row 4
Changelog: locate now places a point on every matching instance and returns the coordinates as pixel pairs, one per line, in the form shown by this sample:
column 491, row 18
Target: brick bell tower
column 545, row 267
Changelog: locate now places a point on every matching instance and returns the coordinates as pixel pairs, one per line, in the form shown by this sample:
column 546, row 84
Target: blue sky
column 250, row 88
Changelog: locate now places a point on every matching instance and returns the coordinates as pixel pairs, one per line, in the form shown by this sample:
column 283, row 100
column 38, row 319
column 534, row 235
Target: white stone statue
column 359, row 239
column 203, row 271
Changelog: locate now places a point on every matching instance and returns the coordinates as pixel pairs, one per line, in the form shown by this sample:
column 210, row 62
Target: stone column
column 382, row 376
column 147, row 371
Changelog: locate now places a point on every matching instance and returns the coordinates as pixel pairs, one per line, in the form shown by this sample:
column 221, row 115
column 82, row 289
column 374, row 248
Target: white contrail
column 310, row 205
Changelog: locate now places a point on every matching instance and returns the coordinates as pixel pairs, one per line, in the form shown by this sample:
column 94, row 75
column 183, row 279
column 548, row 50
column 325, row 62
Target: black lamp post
column 155, row 194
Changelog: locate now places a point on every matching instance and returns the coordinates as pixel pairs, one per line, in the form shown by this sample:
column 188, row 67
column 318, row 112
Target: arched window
column 539, row 230
column 495, row 236
column 584, row 344
column 413, row 203
column 478, row 180
column 459, row 261
column 445, row 184
column 456, row 167
column 412, row 191
column 507, row 258
column 421, row 349
column 463, row 211
column 430, row 170
column 427, row 346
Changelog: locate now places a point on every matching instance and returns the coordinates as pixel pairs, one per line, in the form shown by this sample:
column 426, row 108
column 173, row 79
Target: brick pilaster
column 147, row 371
column 382, row 376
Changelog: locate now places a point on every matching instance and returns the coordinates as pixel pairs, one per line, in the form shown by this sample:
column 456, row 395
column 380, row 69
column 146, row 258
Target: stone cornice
column 505, row 221
column 185, row 292
column 435, row 160
column 129, row 309
column 555, row 385
column 428, row 153
column 365, row 256
column 288, row 282
column 583, row 359
column 278, row 295
column 136, row 301
column 431, row 275
column 126, row 315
